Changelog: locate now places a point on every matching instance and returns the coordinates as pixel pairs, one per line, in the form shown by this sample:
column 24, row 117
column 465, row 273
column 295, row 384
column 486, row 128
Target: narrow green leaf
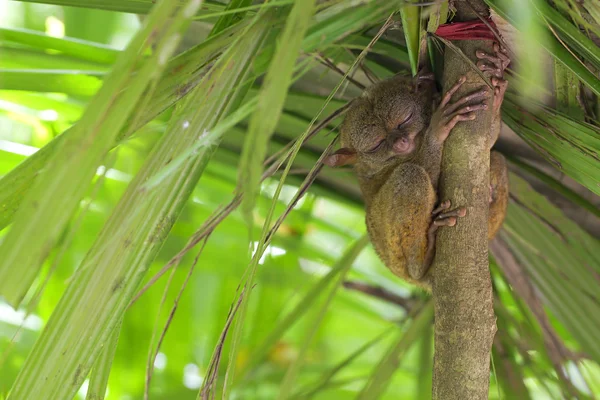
column 545, row 242
column 556, row 185
column 438, row 15
column 74, row 83
column 425, row 375
column 112, row 270
column 533, row 35
column 327, row 378
column 31, row 59
column 60, row 186
column 383, row 372
column 411, row 26
column 571, row 146
column 127, row 6
column 186, row 70
column 567, row 88
column 101, row 370
column 229, row 19
column 270, row 103
column 359, row 42
column 569, row 33
column 75, row 48
column 343, row 265
column 183, row 74
column 248, row 280
column 593, row 8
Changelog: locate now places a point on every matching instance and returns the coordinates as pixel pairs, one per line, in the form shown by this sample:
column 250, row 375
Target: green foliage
column 270, row 101
column 570, row 145
column 411, row 26
column 249, row 88
column 545, row 253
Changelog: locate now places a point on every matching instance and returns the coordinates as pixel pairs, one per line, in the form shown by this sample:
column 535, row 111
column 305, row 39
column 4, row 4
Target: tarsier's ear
column 343, row 156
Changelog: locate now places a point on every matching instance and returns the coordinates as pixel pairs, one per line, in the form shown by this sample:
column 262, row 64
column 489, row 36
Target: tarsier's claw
column 499, row 61
column 442, row 217
column 457, row 212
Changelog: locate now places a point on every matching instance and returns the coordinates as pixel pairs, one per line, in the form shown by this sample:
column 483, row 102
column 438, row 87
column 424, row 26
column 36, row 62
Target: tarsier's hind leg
column 498, row 192
column 401, row 215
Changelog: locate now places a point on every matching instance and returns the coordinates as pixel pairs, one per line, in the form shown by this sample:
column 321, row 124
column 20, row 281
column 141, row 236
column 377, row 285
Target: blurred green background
column 338, row 338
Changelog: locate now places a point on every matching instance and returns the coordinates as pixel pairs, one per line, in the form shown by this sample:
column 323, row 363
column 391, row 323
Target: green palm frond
column 185, row 132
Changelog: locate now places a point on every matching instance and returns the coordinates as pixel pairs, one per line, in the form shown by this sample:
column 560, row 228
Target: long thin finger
column 505, row 60
column 483, row 66
column 459, row 213
column 450, row 221
column 473, row 107
column 453, row 89
column 457, row 118
column 482, row 55
column 480, row 94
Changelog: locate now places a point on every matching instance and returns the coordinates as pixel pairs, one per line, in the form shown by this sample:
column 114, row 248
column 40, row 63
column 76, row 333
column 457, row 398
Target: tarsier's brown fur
column 395, row 140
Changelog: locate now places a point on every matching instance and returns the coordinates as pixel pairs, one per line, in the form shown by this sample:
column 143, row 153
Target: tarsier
column 394, row 138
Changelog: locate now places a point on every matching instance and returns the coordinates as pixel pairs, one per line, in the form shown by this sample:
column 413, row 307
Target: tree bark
column 465, row 323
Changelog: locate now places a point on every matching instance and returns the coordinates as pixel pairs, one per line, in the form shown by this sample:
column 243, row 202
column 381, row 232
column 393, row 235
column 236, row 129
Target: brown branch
column 331, row 65
column 380, row 293
column 465, row 323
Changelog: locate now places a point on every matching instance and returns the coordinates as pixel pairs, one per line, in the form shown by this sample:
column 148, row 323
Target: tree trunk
column 465, row 323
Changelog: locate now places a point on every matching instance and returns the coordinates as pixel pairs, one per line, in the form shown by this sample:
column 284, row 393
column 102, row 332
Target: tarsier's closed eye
column 405, row 121
column 377, row 146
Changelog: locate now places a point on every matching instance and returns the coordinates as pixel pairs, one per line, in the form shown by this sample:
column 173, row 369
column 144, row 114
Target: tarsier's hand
column 493, row 66
column 449, row 114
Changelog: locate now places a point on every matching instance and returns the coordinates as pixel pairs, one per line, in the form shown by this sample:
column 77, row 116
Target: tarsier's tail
column 499, row 195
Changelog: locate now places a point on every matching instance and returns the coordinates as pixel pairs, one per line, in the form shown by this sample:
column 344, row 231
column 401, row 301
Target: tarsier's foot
column 442, row 217
column 449, row 114
column 494, row 65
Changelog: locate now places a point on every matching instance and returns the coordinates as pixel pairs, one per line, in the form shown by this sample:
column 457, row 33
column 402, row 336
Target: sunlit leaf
column 64, row 180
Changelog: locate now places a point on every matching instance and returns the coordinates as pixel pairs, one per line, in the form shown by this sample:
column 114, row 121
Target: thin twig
column 380, row 293
column 337, row 113
column 153, row 354
column 308, row 181
column 331, row 65
column 218, row 216
column 213, row 368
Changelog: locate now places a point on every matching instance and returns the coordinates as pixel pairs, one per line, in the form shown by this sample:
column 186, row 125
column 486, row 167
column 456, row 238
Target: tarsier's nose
column 402, row 144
